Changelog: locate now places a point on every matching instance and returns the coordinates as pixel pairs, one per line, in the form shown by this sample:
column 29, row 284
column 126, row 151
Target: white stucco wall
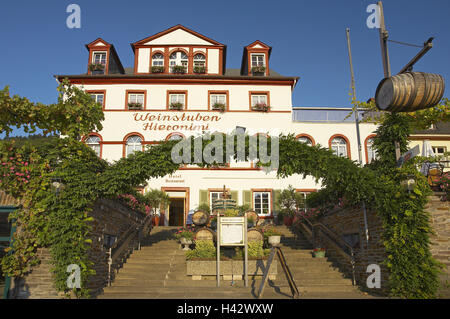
column 143, row 60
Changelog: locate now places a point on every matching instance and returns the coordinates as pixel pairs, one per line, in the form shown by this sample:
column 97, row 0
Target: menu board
column 232, row 231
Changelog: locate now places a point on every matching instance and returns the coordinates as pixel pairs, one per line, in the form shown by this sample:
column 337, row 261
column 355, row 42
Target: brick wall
column 110, row 217
column 351, row 221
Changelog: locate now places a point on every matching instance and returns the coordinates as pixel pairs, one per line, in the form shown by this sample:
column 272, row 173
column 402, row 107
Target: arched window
column 179, row 59
column 93, row 141
column 158, row 59
column 304, row 139
column 371, row 152
column 199, row 63
column 339, row 146
column 134, row 143
column 175, row 137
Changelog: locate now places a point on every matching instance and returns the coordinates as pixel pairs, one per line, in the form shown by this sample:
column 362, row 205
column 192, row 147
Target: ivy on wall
column 59, row 220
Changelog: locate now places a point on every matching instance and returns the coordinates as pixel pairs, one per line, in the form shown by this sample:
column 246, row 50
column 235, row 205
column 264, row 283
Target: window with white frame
column 178, row 58
column 98, row 97
column 158, row 59
column 177, row 100
column 258, row 59
column 371, row 152
column 259, row 99
column 217, row 99
column 136, row 100
column 339, row 146
column 199, row 61
column 304, row 139
column 99, row 58
column 134, row 144
column 93, row 141
column 213, row 196
column 261, row 203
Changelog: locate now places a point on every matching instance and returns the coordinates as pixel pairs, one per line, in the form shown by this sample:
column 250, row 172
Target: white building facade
column 179, row 87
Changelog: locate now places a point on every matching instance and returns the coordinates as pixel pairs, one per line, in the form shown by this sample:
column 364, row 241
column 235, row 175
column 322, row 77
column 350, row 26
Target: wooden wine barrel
column 409, row 92
column 221, row 203
column 252, row 214
column 200, row 218
column 205, row 233
column 254, row 234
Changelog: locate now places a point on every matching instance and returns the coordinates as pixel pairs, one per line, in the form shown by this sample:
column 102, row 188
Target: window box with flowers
column 176, row 106
column 157, row 69
column 259, row 70
column 96, row 68
column 261, row 107
column 179, row 69
column 199, row 69
column 219, row 107
column 134, row 106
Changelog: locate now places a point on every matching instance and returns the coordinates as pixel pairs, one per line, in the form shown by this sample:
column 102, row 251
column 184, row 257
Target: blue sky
column 308, row 39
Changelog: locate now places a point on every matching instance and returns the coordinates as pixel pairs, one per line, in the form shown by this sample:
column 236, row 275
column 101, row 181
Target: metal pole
column 383, row 42
column 218, row 251
column 246, row 253
column 354, row 95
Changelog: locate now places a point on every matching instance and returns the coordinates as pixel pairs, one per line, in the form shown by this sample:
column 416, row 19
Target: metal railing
column 124, row 245
column 319, row 230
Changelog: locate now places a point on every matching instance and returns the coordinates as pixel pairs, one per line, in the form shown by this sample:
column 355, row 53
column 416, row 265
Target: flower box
column 234, row 268
column 219, row 107
column 319, row 253
column 179, row 69
column 199, row 69
column 97, row 68
column 134, row 106
column 259, row 70
column 157, row 69
column 176, row 106
column 261, row 107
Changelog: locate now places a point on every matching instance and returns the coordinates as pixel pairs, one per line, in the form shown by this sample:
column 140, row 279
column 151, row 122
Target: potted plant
column 176, row 106
column 272, row 235
column 134, row 106
column 319, row 252
column 186, row 236
column 261, row 107
column 199, row 69
column 157, row 69
column 258, row 70
column 219, row 107
column 180, row 69
column 158, row 200
column 96, row 68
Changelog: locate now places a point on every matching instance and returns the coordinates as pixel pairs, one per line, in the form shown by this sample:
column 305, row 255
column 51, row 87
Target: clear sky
column 307, row 38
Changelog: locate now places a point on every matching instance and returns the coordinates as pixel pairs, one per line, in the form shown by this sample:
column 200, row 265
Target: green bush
column 255, row 250
column 203, row 249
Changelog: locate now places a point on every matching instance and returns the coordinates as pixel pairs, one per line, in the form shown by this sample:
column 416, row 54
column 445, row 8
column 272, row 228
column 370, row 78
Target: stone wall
column 110, row 217
column 351, row 221
column 440, row 248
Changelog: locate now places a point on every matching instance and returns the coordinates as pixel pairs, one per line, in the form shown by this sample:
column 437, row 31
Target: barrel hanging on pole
column 409, row 92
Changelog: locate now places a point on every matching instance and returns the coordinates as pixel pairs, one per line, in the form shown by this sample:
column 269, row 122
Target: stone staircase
column 158, row 270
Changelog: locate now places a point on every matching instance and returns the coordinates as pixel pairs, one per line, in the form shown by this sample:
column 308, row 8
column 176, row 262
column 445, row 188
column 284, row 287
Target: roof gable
column 177, row 35
column 98, row 43
column 258, row 45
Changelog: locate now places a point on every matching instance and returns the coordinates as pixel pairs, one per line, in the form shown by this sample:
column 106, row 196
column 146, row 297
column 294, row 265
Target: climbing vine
column 60, row 219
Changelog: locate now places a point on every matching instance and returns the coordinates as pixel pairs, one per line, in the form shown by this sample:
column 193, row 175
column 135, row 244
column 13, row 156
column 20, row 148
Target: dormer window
column 178, row 62
column 199, row 63
column 157, row 63
column 258, row 64
column 99, row 58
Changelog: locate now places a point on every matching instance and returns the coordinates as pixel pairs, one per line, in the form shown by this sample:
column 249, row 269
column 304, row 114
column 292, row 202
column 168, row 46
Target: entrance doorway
column 176, row 211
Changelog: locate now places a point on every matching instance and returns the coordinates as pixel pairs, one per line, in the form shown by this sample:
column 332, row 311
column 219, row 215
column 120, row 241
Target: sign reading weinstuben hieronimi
column 232, row 231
